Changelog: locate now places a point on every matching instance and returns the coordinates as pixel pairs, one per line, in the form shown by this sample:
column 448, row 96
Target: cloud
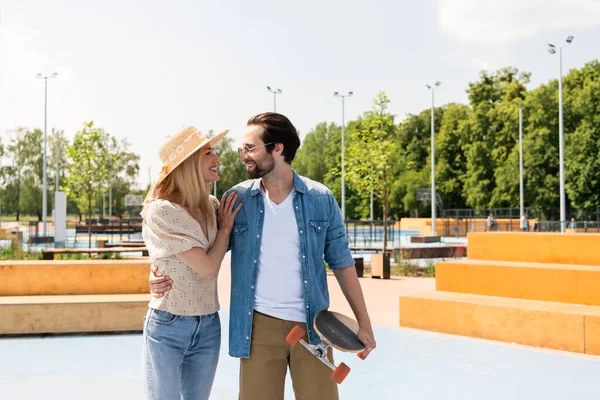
column 494, row 21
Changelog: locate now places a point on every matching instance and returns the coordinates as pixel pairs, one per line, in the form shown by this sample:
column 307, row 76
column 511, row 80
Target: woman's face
column 210, row 162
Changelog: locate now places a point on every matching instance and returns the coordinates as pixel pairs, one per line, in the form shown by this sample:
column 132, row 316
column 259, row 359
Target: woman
column 182, row 330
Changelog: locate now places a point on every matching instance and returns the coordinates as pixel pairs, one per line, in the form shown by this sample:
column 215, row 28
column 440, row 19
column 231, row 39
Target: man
column 288, row 224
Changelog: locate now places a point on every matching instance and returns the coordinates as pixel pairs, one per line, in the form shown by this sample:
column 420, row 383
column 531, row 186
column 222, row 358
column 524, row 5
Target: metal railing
column 462, row 226
column 369, row 233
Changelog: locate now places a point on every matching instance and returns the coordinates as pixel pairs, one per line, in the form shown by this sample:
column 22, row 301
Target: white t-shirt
column 279, row 281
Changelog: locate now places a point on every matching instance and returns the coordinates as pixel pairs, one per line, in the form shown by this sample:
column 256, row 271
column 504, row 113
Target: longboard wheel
column 340, row 373
column 293, row 338
column 361, row 355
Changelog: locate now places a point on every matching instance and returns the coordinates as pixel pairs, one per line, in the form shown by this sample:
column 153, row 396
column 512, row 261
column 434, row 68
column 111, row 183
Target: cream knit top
column 168, row 230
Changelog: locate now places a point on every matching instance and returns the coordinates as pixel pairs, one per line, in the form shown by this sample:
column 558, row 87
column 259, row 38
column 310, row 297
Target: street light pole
column 343, row 96
column 521, row 190
column 433, row 192
column 275, row 93
column 56, row 150
column 561, row 134
column 45, row 179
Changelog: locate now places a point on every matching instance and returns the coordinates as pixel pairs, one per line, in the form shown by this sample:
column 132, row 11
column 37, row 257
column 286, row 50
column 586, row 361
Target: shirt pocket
column 240, row 228
column 317, row 236
column 239, row 236
column 319, row 226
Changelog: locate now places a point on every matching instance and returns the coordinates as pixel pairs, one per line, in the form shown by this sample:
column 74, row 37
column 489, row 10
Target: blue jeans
column 180, row 355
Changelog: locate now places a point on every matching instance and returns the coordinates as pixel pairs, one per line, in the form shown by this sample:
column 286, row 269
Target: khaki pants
column 262, row 376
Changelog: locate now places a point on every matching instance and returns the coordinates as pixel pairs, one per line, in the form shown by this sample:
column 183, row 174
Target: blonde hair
column 186, row 186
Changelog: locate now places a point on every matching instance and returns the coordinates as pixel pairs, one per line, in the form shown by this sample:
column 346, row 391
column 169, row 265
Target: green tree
column 582, row 137
column 57, row 157
column 451, row 160
column 26, row 170
column 89, row 169
column 311, row 158
column 123, row 171
column 369, row 155
column 492, row 138
column 411, row 164
column 540, row 150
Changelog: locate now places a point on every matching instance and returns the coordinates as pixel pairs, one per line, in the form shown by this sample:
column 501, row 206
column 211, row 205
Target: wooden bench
column 48, row 254
column 371, row 249
column 104, row 244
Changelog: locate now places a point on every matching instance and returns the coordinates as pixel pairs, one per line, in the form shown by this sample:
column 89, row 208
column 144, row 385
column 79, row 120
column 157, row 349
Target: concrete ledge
column 413, row 253
column 552, row 248
column 72, row 314
column 425, row 239
column 528, row 322
column 42, row 278
column 592, row 335
column 573, row 284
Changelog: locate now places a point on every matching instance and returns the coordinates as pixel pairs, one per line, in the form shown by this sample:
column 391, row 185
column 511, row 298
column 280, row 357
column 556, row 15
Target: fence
column 370, row 233
column 78, row 232
column 462, row 226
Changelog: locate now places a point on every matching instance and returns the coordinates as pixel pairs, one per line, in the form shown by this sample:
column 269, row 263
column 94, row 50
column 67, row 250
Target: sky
column 142, row 70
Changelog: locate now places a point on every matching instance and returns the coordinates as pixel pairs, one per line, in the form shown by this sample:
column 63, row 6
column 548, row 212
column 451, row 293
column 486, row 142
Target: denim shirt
column 322, row 237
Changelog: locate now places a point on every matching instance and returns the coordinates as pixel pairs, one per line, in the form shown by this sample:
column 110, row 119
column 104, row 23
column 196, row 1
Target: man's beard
column 261, row 170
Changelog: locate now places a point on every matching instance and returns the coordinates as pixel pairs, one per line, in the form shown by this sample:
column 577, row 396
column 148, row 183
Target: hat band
column 183, row 150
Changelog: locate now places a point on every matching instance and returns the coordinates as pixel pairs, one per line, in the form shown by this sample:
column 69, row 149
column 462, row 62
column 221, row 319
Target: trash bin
column 360, row 266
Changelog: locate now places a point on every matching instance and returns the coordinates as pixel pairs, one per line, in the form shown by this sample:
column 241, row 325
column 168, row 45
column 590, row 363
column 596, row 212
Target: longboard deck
column 338, row 331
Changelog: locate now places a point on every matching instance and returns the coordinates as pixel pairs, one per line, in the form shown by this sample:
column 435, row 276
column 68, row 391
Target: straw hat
column 176, row 149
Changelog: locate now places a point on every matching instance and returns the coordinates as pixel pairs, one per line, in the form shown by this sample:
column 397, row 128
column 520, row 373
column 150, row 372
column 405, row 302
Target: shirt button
column 303, row 256
column 236, row 231
column 247, row 337
column 252, row 287
column 301, row 231
column 306, row 306
column 296, row 207
column 249, row 313
column 305, row 282
column 257, row 236
column 260, row 211
column 254, row 261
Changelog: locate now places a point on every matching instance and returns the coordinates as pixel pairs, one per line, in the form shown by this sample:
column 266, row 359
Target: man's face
column 254, row 153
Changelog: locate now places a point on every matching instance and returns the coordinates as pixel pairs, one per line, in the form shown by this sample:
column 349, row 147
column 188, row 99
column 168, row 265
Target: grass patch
column 15, row 252
column 407, row 269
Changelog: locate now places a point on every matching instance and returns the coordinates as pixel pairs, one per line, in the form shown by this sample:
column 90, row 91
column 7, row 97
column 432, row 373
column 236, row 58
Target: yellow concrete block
column 37, row 278
column 533, row 323
column 592, row 335
column 72, row 314
column 6, row 233
column 552, row 248
column 423, row 225
column 575, row 284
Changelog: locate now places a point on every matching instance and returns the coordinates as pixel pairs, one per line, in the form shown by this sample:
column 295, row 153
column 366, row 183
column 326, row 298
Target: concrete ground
column 407, row 364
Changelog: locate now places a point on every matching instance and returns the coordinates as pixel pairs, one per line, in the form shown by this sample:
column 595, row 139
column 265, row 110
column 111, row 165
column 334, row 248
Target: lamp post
column 521, row 189
column 45, row 183
column 275, row 93
column 433, row 196
column 343, row 96
column 561, row 134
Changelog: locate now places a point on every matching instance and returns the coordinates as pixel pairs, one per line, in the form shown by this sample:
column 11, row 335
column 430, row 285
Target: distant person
column 182, row 330
column 573, row 224
column 491, row 222
column 524, row 223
